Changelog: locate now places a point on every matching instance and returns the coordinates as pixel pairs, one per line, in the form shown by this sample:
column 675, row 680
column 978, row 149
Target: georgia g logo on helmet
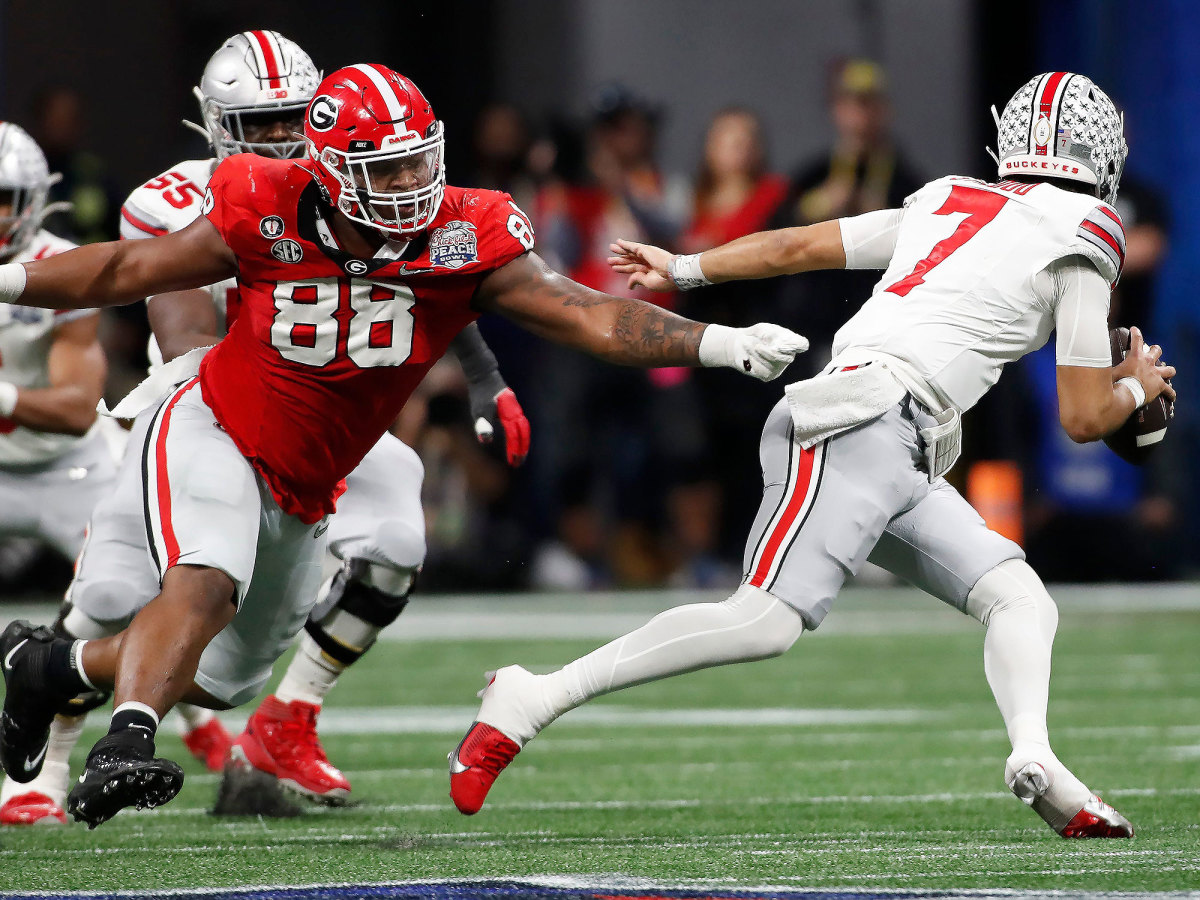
column 322, row 113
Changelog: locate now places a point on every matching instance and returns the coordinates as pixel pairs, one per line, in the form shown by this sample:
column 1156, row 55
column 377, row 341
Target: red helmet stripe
column 268, row 51
column 395, row 106
column 1046, row 106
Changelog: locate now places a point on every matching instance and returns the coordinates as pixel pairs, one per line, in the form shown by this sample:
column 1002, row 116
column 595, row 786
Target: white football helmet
column 257, row 78
column 1060, row 125
column 25, row 181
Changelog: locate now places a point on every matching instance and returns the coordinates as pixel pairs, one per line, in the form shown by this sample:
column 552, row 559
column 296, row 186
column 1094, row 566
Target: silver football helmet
column 25, row 181
column 1060, row 125
column 256, row 79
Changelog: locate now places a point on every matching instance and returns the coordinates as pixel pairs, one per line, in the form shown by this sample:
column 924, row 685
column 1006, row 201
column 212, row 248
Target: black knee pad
column 349, row 593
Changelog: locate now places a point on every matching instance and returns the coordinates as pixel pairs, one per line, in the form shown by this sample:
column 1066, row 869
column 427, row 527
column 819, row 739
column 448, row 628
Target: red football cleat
column 209, row 743
column 281, row 740
column 476, row 762
column 33, row 808
column 1098, row 820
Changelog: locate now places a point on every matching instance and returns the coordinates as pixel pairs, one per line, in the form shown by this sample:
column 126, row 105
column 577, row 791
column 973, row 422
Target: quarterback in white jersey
column 54, row 463
column 975, row 275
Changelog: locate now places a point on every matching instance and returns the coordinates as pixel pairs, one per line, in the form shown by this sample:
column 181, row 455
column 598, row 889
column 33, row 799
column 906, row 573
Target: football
column 1145, row 429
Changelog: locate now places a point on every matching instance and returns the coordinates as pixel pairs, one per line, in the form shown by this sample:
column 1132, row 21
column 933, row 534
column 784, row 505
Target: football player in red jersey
column 356, row 268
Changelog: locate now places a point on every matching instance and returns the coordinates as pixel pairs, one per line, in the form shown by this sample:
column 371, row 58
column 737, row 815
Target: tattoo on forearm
column 645, row 333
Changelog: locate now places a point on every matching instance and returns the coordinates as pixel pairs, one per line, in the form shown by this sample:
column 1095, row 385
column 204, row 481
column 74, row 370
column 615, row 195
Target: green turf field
column 869, row 756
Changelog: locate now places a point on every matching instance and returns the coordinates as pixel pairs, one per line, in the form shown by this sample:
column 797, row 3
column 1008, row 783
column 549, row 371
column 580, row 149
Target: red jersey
column 327, row 347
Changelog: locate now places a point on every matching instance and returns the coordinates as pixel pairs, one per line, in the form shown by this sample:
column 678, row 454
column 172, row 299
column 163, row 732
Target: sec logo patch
column 287, row 251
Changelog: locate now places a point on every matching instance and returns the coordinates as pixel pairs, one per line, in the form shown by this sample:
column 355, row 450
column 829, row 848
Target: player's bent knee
column 97, row 609
column 364, row 598
column 762, row 625
column 397, row 544
column 1011, row 585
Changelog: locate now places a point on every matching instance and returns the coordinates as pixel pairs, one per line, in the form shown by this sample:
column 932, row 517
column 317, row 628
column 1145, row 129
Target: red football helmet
column 378, row 149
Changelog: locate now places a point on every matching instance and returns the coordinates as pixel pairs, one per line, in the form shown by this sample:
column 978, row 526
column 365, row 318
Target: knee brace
column 1009, row 587
column 72, row 625
column 363, row 599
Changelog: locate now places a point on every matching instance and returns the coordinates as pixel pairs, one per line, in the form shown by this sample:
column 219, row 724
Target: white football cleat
column 1061, row 799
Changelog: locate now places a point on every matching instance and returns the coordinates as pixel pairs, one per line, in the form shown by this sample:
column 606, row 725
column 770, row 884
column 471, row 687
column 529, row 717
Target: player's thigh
column 942, row 546
column 824, row 508
column 201, row 496
column 379, row 518
column 71, row 491
column 18, row 504
column 115, row 574
column 287, row 576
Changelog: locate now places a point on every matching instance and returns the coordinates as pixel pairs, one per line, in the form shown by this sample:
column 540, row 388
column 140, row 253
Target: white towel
column 838, row 401
column 161, row 380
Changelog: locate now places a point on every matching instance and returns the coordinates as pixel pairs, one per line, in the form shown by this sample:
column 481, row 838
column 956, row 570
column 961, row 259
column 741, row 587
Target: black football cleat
column 29, row 701
column 119, row 775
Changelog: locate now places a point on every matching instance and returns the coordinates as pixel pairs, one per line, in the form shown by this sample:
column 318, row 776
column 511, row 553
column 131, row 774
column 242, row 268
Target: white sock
column 750, row 625
column 192, row 717
column 310, row 675
column 54, row 779
column 1021, row 621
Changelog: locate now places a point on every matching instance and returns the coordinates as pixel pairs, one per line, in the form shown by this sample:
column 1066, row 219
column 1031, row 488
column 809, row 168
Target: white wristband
column 1135, row 388
column 715, row 345
column 685, row 271
column 12, row 282
column 8, row 398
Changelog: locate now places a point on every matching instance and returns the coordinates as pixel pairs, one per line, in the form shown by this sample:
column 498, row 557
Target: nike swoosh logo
column 32, row 762
column 11, row 653
column 456, row 766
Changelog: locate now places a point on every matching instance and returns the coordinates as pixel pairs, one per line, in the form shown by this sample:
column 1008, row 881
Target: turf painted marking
column 592, row 888
column 455, row 719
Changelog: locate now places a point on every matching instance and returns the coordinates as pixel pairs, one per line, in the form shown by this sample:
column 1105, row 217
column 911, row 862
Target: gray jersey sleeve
column 1080, row 295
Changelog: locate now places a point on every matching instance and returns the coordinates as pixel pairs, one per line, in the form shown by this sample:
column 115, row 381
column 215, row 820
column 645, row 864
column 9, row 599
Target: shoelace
column 300, row 737
column 492, row 754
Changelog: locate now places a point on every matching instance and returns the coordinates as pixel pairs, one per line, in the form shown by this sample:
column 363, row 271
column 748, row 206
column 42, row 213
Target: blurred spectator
column 734, row 196
column 862, row 171
column 611, row 444
column 473, row 541
column 501, row 146
column 60, row 127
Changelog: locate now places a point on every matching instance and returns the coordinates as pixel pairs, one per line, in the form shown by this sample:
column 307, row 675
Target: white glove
column 762, row 350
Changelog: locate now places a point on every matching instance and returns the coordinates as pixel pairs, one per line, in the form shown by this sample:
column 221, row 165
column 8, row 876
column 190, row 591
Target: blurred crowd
column 647, row 478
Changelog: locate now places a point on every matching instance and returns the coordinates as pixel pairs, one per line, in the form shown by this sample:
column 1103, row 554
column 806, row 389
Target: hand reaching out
column 645, row 264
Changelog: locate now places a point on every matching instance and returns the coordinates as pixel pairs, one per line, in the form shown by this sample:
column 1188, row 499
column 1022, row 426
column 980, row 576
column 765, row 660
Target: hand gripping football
column 1145, row 429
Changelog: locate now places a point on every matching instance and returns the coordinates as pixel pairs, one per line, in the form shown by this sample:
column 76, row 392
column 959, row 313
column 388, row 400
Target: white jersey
column 167, row 204
column 26, row 335
column 967, row 291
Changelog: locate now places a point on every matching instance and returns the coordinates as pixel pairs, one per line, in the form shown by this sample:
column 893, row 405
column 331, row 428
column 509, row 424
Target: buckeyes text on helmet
column 1060, row 125
column 25, row 181
column 253, row 94
column 377, row 148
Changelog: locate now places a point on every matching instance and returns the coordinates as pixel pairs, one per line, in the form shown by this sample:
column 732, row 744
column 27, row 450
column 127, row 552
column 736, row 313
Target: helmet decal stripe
column 1046, row 104
column 267, row 50
column 395, row 108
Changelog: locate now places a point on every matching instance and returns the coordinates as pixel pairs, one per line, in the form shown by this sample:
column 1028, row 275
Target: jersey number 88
column 379, row 333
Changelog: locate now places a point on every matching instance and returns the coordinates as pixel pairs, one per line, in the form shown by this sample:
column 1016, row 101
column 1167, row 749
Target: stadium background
column 632, row 480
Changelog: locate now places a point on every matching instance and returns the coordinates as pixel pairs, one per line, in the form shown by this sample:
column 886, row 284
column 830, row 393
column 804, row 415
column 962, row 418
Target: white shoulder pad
column 168, row 202
column 1101, row 238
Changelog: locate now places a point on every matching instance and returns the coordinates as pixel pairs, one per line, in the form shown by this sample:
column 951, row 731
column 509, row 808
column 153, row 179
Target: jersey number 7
column 980, row 206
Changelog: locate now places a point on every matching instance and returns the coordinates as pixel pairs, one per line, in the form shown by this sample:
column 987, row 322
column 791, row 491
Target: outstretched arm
column 764, row 254
column 625, row 331
column 860, row 242
column 118, row 272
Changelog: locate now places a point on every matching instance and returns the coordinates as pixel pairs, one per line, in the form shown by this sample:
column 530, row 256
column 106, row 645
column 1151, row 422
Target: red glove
column 512, row 421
